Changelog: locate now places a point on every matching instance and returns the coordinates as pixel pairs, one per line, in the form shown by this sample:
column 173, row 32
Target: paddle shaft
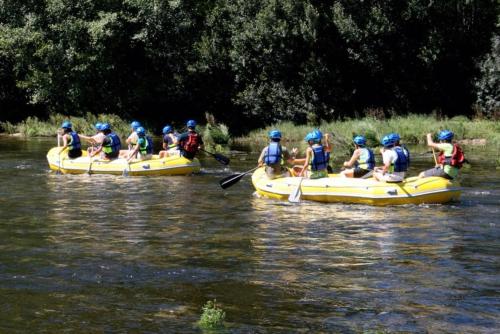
column 434, row 156
column 219, row 157
column 232, row 179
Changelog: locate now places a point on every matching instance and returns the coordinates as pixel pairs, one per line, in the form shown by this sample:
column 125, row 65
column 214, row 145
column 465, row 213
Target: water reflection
column 109, row 253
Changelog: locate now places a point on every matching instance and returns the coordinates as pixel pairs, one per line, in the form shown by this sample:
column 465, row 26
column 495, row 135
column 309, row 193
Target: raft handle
column 392, row 191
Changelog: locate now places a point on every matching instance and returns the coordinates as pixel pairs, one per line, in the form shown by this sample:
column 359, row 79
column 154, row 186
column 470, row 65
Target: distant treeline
column 249, row 63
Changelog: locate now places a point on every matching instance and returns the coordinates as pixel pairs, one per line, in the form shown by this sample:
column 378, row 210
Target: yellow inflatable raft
column 363, row 191
column 174, row 165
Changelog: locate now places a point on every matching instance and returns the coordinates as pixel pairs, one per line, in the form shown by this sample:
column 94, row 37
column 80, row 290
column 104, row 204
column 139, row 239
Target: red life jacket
column 192, row 142
column 456, row 159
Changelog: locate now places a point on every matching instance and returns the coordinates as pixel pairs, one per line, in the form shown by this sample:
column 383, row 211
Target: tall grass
column 412, row 129
column 34, row 127
column 216, row 136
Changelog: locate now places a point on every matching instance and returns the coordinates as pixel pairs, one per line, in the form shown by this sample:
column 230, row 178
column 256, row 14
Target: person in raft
column 395, row 162
column 396, row 138
column 131, row 139
column 450, row 158
column 190, row 142
column 169, row 143
column 362, row 161
column 111, row 144
column 315, row 162
column 71, row 140
column 95, row 140
column 143, row 150
column 273, row 157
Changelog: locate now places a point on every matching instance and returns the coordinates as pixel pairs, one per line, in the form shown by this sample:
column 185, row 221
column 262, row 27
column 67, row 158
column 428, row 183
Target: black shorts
column 112, row 155
column 74, row 154
column 359, row 172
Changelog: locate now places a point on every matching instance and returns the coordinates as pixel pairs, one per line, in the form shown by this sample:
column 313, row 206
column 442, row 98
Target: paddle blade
column 296, row 193
column 222, row 159
column 230, row 180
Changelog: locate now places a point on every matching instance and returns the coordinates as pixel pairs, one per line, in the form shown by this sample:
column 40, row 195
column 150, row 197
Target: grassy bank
column 412, row 129
column 215, row 135
column 34, row 127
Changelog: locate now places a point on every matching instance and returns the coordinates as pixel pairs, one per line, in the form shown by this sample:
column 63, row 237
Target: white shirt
column 389, row 157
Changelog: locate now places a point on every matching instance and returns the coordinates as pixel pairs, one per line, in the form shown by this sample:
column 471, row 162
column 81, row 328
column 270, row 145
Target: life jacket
column 167, row 139
column 366, row 160
column 456, row 159
column 192, row 142
column 401, row 163
column 147, row 147
column 75, row 144
column 407, row 153
column 319, row 160
column 273, row 154
column 114, row 144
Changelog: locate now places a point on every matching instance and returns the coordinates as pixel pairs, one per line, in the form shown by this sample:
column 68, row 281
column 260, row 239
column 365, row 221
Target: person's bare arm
column 354, row 158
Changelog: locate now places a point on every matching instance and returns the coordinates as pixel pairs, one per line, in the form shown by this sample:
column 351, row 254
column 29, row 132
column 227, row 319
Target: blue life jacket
column 169, row 141
column 407, row 153
column 366, row 159
column 401, row 163
column 319, row 160
column 75, row 144
column 273, row 155
column 149, row 148
column 114, row 146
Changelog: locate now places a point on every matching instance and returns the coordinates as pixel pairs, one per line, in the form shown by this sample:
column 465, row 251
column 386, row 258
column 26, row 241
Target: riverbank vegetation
column 412, row 129
column 249, row 63
column 216, row 135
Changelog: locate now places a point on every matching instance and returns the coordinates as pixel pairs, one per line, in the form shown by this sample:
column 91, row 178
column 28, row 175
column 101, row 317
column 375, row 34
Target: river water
column 113, row 254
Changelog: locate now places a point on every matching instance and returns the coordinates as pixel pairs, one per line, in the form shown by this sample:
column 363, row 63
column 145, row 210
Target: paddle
column 434, row 155
column 219, row 157
column 232, row 179
column 90, row 165
column 126, row 170
column 295, row 194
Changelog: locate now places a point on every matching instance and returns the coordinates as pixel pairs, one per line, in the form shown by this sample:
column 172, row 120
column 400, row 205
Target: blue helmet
column 105, row 126
column 140, row 131
column 274, row 134
column 66, row 125
column 395, row 137
column 167, row 129
column 359, row 140
column 317, row 135
column 98, row 126
column 134, row 125
column 387, row 141
column 311, row 136
column 191, row 123
column 445, row 135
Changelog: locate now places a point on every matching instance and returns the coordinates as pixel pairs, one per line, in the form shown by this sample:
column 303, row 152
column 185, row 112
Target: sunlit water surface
column 106, row 254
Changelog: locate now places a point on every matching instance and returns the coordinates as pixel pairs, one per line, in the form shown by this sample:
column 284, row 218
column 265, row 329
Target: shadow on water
column 142, row 254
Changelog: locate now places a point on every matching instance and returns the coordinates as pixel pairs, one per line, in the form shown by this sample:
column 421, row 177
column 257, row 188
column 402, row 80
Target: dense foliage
column 248, row 62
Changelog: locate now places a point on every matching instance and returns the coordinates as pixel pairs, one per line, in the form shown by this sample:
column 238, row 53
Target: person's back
column 71, row 140
column 395, row 162
column 273, row 156
column 190, row 142
column 170, row 143
column 362, row 160
column 111, row 144
column 450, row 158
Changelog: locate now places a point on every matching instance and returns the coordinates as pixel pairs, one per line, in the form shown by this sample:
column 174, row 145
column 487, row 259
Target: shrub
column 212, row 317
